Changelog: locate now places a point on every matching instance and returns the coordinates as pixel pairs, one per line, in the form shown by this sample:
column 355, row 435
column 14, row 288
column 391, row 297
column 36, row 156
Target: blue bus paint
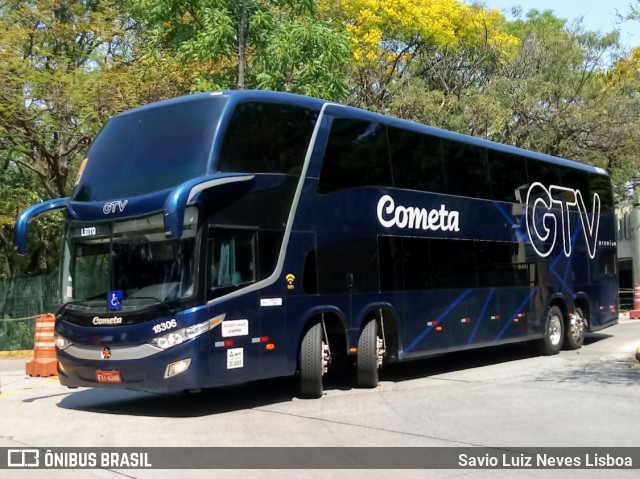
column 243, row 218
column 443, row 316
column 515, row 315
column 481, row 316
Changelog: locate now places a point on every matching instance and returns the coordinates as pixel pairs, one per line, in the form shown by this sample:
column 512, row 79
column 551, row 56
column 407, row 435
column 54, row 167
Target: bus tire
column 367, row 357
column 311, row 363
column 575, row 330
column 553, row 333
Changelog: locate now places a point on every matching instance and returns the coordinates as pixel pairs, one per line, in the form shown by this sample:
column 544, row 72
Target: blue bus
column 227, row 237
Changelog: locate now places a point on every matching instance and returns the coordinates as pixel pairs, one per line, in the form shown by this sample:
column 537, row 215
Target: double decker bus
column 233, row 236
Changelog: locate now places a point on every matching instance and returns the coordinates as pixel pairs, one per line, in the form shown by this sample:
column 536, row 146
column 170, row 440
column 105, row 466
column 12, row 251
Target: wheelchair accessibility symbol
column 115, row 300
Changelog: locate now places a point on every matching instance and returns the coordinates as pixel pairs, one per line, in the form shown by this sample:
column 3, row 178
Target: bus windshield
column 165, row 145
column 132, row 260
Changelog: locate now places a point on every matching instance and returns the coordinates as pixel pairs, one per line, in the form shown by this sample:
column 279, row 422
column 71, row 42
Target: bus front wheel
column 553, row 333
column 313, row 359
column 370, row 355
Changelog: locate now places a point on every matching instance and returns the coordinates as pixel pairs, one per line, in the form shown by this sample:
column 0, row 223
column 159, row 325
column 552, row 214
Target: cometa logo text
column 106, row 321
column 390, row 215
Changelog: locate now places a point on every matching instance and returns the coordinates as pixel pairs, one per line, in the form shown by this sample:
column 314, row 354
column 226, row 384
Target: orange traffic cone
column 44, row 361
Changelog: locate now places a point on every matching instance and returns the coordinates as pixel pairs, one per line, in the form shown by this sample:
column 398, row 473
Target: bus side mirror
column 31, row 212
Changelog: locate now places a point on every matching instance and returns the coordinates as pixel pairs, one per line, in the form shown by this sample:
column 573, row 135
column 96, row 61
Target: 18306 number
column 165, row 326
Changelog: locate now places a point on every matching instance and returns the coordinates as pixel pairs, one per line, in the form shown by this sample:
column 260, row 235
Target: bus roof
column 237, row 96
column 463, row 138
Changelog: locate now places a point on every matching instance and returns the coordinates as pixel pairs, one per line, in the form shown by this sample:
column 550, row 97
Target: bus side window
column 608, row 263
column 508, row 176
column 231, row 259
column 601, row 185
column 267, row 138
column 357, row 154
column 466, row 169
column 416, row 160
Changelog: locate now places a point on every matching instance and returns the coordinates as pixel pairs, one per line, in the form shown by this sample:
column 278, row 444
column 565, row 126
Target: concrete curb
column 16, row 354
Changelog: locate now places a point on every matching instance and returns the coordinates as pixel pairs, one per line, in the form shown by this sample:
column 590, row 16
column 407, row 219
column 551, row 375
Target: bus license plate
column 112, row 377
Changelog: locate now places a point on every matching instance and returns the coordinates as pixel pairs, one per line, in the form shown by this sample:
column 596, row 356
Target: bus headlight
column 174, row 338
column 176, row 368
column 62, row 343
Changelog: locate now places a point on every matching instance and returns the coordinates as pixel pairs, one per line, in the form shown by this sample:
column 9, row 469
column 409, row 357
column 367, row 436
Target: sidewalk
column 12, row 372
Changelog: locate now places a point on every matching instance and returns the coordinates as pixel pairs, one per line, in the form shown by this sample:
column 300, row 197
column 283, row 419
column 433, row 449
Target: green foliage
column 50, row 52
column 270, row 44
column 66, row 66
column 16, row 335
column 304, row 56
column 552, row 96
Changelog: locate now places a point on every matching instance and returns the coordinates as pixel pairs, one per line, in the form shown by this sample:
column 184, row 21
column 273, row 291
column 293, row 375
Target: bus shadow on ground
column 456, row 361
column 272, row 391
column 280, row 390
column 181, row 404
column 195, row 404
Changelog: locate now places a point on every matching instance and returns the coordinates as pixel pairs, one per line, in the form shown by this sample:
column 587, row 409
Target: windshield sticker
column 115, row 300
column 390, row 215
column 545, row 228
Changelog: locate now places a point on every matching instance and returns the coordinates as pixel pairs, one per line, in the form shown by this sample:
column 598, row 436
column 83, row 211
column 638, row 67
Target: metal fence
column 22, row 300
column 626, row 299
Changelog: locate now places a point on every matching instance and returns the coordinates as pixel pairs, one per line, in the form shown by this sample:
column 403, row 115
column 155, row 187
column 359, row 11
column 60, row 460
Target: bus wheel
column 576, row 328
column 553, row 333
column 314, row 359
column 370, row 355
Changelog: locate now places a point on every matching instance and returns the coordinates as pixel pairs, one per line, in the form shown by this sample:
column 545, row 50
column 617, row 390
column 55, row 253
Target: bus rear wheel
column 370, row 355
column 313, row 360
column 576, row 328
column 553, row 333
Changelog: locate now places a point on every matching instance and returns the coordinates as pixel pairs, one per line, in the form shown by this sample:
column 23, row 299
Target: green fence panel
column 22, row 300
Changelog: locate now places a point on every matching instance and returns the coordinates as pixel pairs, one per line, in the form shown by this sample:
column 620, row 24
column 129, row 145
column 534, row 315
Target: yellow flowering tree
column 389, row 36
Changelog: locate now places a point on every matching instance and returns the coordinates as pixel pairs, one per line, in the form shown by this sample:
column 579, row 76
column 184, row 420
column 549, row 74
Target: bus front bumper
column 182, row 367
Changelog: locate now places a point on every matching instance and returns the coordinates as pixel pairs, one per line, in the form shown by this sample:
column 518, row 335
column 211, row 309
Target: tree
column 443, row 43
column 16, row 194
column 49, row 55
column 556, row 99
column 538, row 82
column 274, row 44
column 64, row 69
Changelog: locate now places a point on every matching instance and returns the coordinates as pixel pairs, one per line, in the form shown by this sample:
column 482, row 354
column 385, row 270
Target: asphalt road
column 504, row 397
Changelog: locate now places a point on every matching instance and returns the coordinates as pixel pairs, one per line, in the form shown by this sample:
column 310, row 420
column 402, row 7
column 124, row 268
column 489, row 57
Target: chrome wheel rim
column 577, row 327
column 555, row 330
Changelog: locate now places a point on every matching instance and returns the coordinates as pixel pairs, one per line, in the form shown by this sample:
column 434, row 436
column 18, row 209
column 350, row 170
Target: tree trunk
column 242, row 40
